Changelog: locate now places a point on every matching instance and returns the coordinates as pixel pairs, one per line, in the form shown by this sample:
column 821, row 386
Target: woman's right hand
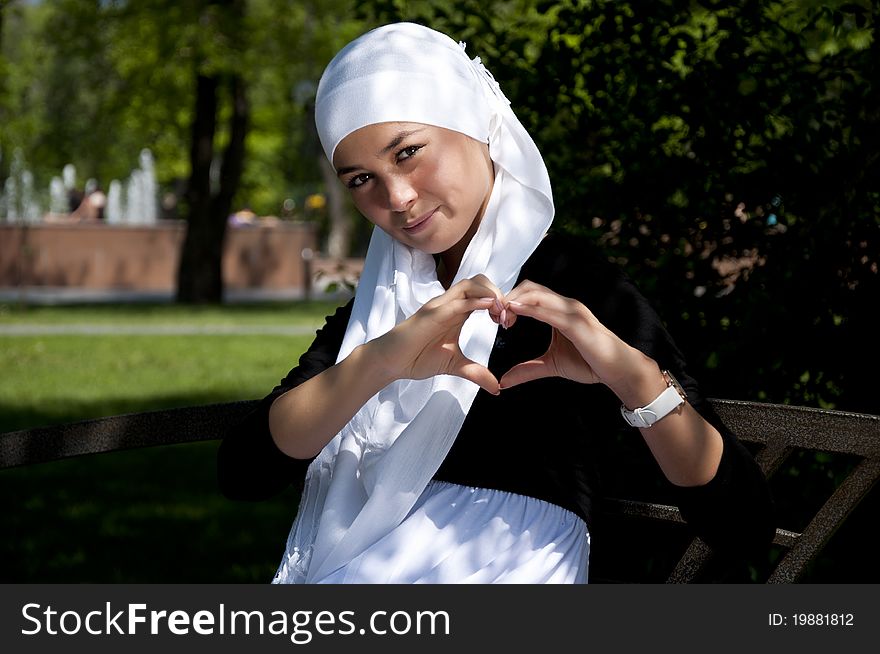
column 426, row 343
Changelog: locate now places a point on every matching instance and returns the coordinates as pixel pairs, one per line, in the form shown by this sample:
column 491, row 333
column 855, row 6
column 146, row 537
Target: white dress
column 463, row 535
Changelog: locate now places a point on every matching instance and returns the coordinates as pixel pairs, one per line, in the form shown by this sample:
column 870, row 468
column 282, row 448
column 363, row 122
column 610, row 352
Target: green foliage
column 672, row 131
column 725, row 154
column 92, row 83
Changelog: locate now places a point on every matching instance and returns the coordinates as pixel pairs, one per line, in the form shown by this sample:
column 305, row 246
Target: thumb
column 473, row 371
column 527, row 371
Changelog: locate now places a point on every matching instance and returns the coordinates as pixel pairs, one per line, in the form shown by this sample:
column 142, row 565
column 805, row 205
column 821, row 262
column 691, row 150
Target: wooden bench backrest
column 777, row 430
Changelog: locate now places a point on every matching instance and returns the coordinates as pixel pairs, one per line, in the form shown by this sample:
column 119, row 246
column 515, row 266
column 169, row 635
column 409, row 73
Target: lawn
column 151, row 515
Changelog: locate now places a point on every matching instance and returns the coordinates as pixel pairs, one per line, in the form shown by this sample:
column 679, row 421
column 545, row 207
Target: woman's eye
column 358, row 180
column 407, row 152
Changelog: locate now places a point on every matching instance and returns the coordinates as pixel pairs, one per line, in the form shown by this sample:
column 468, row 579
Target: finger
column 527, row 371
column 497, row 311
column 466, row 288
column 561, row 319
column 459, row 310
column 473, row 371
column 478, row 286
column 526, row 286
column 484, row 282
column 531, row 293
column 540, row 295
column 541, row 303
column 510, row 319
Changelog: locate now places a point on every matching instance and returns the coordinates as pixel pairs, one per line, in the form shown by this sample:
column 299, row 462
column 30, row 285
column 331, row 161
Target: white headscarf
column 367, row 478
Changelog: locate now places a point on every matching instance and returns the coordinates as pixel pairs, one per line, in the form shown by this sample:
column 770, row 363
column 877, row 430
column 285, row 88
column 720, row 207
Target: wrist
column 669, row 400
column 374, row 364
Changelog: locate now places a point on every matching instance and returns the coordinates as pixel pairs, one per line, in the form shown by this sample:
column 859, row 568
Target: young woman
column 450, row 420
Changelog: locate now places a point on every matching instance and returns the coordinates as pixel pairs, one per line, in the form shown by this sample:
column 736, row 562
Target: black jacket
column 551, row 439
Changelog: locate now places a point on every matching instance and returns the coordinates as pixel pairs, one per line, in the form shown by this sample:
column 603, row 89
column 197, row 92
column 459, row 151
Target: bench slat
column 826, row 521
column 151, row 428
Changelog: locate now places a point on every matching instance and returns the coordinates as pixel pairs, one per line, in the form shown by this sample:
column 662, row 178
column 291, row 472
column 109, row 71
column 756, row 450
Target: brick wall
column 134, row 257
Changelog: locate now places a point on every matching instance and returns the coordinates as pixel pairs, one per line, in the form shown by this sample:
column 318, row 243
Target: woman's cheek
column 369, row 209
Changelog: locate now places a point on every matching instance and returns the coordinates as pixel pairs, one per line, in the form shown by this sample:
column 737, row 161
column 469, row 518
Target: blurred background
column 161, row 157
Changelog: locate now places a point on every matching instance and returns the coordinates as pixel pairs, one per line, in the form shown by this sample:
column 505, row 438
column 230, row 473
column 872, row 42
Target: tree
column 724, row 154
column 200, row 276
column 207, row 85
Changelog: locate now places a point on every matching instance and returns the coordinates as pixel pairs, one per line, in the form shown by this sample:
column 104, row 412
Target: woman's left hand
column 581, row 348
column 688, row 449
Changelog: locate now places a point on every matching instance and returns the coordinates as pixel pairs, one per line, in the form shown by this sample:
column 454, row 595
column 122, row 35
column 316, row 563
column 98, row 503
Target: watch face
column 672, row 381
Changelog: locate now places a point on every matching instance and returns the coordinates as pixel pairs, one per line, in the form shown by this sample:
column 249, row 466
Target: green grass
column 54, row 379
column 149, row 515
column 142, row 516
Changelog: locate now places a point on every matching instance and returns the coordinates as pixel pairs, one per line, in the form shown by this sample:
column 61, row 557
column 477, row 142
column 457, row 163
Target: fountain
column 69, row 174
column 114, row 212
column 139, row 206
column 8, row 203
column 18, row 201
column 131, row 250
column 58, row 203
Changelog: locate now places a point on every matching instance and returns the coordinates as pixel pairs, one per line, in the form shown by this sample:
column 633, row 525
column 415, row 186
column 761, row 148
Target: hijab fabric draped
column 368, row 477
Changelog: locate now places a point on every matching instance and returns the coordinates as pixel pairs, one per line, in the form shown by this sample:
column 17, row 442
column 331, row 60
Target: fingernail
column 487, row 299
column 504, row 318
column 515, row 303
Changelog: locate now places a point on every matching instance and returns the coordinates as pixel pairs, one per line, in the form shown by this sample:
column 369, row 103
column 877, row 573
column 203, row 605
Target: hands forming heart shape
column 581, row 348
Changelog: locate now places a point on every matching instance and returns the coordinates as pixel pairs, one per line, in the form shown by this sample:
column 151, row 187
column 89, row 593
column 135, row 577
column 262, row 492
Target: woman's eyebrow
column 393, row 143
column 397, row 140
column 347, row 169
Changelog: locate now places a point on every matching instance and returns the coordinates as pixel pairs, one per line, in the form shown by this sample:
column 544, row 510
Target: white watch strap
column 646, row 416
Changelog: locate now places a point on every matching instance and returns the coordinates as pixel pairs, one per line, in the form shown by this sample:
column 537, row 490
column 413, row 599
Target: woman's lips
column 420, row 223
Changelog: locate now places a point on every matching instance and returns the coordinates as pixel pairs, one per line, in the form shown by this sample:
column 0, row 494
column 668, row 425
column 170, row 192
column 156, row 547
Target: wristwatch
column 669, row 400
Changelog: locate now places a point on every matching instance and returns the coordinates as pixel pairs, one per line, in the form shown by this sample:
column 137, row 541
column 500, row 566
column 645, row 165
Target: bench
column 775, row 431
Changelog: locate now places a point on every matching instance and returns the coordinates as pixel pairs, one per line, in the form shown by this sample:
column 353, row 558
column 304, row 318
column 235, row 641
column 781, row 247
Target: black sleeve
column 249, row 464
column 733, row 512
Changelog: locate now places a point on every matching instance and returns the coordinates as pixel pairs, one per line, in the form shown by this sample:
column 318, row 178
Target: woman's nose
column 401, row 194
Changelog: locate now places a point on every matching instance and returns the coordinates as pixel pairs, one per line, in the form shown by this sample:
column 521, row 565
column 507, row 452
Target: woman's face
column 425, row 186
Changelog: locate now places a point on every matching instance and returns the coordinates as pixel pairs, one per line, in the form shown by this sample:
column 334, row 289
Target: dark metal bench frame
column 778, row 430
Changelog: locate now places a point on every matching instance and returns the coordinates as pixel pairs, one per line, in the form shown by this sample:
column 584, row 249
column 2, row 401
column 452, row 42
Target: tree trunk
column 339, row 237
column 200, row 276
column 233, row 159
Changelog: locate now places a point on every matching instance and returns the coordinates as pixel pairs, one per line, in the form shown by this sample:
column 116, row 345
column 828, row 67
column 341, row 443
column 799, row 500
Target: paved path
column 86, row 329
column 44, row 295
